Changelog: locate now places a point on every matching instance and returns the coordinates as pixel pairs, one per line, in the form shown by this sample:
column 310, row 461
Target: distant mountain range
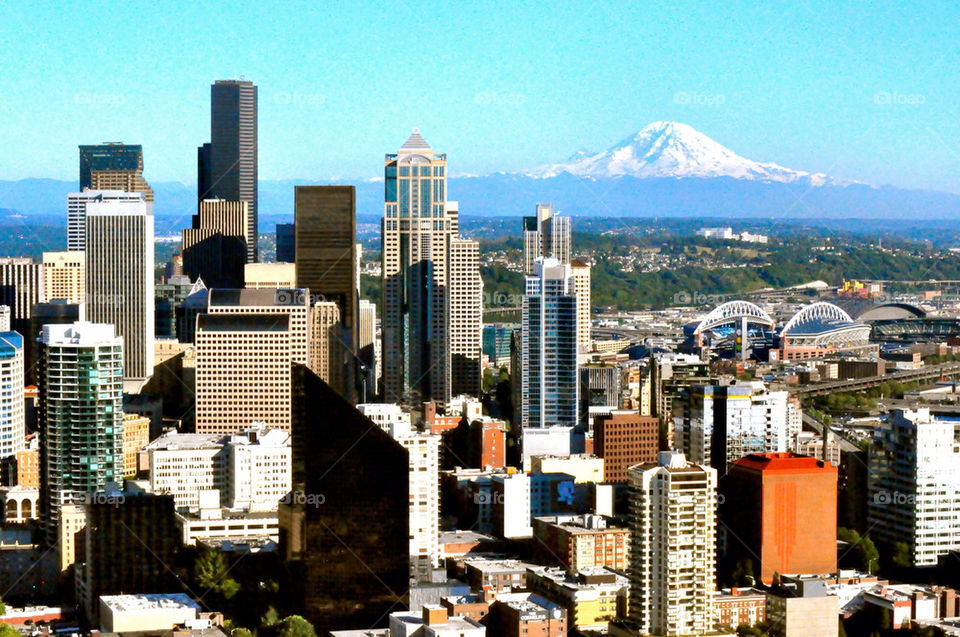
column 667, row 169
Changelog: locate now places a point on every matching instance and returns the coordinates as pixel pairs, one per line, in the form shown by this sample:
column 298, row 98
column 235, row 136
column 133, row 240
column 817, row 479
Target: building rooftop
column 152, row 601
column 415, row 142
column 248, row 297
column 784, row 462
column 243, row 322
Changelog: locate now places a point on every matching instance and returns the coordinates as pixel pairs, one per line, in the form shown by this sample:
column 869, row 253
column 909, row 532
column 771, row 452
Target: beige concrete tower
column 64, row 276
column 466, row 316
column 580, row 271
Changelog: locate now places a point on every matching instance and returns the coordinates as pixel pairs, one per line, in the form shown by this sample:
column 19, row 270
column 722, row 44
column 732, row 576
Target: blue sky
column 864, row 91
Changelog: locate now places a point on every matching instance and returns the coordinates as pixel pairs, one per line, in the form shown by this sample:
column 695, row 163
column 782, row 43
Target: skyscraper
column 545, row 235
column 347, row 571
column 368, row 348
column 550, row 388
column 243, row 364
column 80, row 415
column 781, row 513
column 64, row 276
column 913, row 486
column 77, row 212
column 21, row 287
column 12, row 416
column 215, row 248
column 716, row 425
column 227, row 166
column 286, row 242
column 113, row 166
column 672, row 546
column 417, row 228
column 325, row 345
column 580, row 271
column 120, row 277
column 465, row 300
column 326, row 245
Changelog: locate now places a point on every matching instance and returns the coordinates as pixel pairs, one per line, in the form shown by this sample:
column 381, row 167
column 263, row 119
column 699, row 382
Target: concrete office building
column 77, row 203
column 136, row 436
column 580, row 271
column 581, row 542
column 215, row 248
column 120, row 277
column 12, row 410
column 913, row 486
column 465, row 301
column 294, row 302
column 80, row 415
column 227, row 166
column 716, row 425
column 417, row 228
column 243, row 371
column 270, row 276
column 672, row 546
column 325, row 344
column 550, row 388
column 64, row 276
column 250, row 470
column 113, row 166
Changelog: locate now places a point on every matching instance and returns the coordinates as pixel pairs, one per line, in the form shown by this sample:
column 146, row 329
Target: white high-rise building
column 368, row 347
column 424, row 457
column 465, row 299
column 12, row 409
column 550, row 388
column 120, row 276
column 673, row 546
column 251, row 469
column 80, row 415
column 545, row 235
column 913, row 489
column 716, row 425
column 77, row 212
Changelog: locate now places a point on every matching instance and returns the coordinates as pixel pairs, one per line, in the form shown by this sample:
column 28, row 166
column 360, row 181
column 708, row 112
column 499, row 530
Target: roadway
column 927, row 372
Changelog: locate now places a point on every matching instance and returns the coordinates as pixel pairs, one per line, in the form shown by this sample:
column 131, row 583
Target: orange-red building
column 782, row 509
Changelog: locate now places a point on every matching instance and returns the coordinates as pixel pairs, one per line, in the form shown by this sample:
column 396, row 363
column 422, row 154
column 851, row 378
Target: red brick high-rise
column 623, row 439
column 782, row 509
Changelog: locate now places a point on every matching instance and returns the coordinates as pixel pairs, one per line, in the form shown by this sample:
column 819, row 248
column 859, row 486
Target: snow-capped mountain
column 671, row 149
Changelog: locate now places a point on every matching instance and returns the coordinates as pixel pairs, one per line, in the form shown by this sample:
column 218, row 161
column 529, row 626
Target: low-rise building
column 495, row 574
column 582, row 466
column 738, row 606
column 433, row 622
column 526, row 615
column 580, row 542
column 592, row 597
column 814, row 614
column 140, row 613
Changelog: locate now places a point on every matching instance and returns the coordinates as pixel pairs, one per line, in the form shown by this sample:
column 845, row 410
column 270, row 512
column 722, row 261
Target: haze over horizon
column 813, row 87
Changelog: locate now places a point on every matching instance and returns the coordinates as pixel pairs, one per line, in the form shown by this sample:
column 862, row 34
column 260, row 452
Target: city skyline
column 865, row 102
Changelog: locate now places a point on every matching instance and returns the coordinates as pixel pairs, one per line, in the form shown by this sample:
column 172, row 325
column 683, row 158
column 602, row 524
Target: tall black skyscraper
column 227, row 166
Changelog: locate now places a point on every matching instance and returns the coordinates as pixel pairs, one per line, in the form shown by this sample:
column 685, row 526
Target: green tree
column 210, row 572
column 901, row 555
column 296, row 626
column 3, row 608
column 242, row 632
column 270, row 618
column 6, row 630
